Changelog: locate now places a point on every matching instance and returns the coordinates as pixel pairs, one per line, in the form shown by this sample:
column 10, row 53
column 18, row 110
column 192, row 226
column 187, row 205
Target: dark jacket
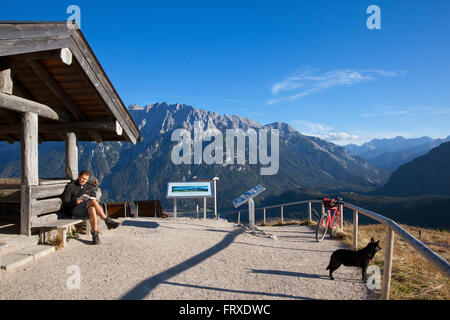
column 72, row 192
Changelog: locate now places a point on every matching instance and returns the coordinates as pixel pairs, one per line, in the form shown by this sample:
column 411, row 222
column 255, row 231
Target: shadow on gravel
column 146, row 286
column 298, row 274
column 140, row 224
column 269, row 294
column 283, row 248
column 290, row 273
column 86, row 242
column 204, row 230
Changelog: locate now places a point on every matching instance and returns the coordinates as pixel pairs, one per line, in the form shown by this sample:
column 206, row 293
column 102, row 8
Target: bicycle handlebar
column 337, row 200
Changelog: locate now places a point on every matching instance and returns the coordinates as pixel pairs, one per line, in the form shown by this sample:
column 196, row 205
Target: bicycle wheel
column 335, row 226
column 322, row 227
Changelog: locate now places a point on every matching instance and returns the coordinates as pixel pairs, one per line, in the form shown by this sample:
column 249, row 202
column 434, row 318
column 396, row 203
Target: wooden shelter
column 52, row 88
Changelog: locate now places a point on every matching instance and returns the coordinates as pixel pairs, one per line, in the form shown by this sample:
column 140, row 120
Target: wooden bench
column 117, row 209
column 63, row 226
column 148, row 208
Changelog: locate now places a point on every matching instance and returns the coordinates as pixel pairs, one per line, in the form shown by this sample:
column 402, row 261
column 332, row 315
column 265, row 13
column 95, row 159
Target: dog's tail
column 329, row 267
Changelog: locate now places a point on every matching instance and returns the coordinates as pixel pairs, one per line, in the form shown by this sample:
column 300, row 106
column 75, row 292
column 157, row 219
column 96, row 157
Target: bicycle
column 331, row 219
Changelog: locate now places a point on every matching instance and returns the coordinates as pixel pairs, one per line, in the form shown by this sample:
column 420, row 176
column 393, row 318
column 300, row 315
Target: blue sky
column 312, row 64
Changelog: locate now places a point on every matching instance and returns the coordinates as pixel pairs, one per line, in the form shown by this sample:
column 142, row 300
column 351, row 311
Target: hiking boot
column 95, row 237
column 111, row 224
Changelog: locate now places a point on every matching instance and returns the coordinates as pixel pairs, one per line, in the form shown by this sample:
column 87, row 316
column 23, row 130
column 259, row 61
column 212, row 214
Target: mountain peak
column 284, row 128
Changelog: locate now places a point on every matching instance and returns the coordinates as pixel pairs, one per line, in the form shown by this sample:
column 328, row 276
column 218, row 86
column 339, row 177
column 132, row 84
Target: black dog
column 349, row 258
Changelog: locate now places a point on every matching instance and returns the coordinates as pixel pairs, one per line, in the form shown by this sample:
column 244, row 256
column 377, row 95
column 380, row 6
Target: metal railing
column 392, row 227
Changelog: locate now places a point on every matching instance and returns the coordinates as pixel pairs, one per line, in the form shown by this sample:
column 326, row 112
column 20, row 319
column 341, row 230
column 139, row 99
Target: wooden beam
column 8, row 138
column 45, row 206
column 59, row 92
column 10, row 194
column 10, row 182
column 18, row 104
column 19, row 46
column 29, row 30
column 46, row 191
column 94, row 135
column 79, row 126
column 71, row 156
column 53, row 85
column 6, row 83
column 119, row 129
column 21, row 91
column 61, row 135
column 64, row 54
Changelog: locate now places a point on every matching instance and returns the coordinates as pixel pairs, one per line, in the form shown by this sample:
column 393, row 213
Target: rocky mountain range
column 142, row 171
column 426, row 175
column 389, row 154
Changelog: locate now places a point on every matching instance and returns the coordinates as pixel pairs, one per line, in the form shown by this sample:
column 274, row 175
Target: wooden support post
column 62, row 235
column 282, row 218
column 29, row 167
column 6, row 84
column 264, row 215
column 29, row 149
column 71, row 156
column 355, row 229
column 197, row 210
column 239, row 217
column 389, row 251
column 309, row 212
column 341, row 210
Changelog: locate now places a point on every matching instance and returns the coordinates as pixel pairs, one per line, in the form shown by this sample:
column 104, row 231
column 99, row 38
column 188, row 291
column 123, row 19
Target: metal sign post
column 248, row 197
column 189, row 190
column 174, row 207
column 204, row 208
column 214, row 180
column 251, row 214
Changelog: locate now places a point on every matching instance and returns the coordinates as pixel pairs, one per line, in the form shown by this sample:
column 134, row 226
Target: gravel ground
column 187, row 258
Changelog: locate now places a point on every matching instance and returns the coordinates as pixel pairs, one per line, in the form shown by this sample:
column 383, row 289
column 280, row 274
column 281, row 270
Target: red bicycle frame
column 333, row 213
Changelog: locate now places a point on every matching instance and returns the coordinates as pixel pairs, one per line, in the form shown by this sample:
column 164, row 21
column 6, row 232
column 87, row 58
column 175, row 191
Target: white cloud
column 387, row 113
column 324, row 132
column 309, row 81
column 311, row 127
column 339, row 136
